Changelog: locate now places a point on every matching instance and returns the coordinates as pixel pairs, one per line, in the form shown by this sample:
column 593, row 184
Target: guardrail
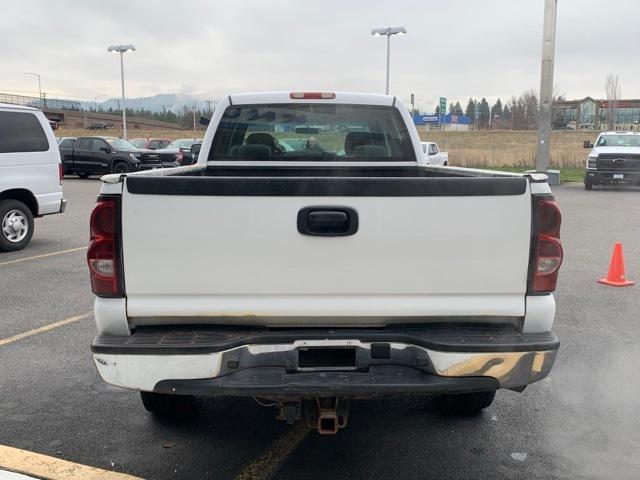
column 42, row 103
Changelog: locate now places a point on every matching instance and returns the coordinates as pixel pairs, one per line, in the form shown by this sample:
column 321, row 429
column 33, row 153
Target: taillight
column 60, row 172
column 103, row 255
column 546, row 252
column 312, row 95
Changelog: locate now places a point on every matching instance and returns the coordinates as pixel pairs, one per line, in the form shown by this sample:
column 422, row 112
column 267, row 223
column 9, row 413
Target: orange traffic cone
column 616, row 277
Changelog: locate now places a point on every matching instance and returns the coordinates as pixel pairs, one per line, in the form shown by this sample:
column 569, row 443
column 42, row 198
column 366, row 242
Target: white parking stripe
column 45, row 328
column 43, row 255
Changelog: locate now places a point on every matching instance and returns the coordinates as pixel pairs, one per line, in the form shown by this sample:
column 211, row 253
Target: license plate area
column 327, row 358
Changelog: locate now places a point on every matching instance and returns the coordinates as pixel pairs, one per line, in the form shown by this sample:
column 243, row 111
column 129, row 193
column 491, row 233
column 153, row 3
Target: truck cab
column 433, row 155
column 614, row 159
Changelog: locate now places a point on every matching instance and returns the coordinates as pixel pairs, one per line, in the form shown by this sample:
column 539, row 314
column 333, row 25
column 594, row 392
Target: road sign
column 443, row 105
column 477, row 110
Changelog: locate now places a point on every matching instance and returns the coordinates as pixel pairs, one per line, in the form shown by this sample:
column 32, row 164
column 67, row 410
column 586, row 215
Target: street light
column 39, row 84
column 388, row 31
column 121, row 49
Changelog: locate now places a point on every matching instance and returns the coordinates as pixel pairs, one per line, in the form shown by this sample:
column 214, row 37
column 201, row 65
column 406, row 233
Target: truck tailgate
column 212, row 247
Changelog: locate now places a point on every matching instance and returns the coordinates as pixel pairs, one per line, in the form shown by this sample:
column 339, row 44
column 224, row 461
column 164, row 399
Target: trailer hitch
column 327, row 414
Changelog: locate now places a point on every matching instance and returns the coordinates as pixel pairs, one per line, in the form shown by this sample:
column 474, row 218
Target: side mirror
column 204, row 121
column 587, row 144
column 105, row 149
column 195, row 148
column 432, row 152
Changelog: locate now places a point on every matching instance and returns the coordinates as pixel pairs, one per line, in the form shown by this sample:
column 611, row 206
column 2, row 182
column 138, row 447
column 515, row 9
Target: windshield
column 120, row 144
column 312, row 132
column 138, row 142
column 618, row 141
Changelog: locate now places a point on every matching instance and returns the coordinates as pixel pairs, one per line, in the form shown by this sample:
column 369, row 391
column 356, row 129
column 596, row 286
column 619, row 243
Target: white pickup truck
column 341, row 267
column 433, row 155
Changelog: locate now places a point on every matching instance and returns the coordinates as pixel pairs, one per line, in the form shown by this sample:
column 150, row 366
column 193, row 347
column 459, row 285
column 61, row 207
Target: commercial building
column 591, row 114
column 446, row 122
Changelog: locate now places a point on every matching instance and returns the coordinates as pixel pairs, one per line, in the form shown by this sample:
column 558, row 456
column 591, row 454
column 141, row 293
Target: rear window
column 21, row 132
column 303, row 132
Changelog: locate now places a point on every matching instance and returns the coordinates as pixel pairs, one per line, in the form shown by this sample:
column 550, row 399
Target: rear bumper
column 599, row 177
column 417, row 359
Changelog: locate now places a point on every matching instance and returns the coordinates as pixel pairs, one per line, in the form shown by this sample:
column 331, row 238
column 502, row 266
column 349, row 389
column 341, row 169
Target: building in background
column 426, row 123
column 591, row 114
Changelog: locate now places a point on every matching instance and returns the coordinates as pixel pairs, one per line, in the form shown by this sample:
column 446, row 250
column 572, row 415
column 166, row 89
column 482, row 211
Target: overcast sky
column 454, row 48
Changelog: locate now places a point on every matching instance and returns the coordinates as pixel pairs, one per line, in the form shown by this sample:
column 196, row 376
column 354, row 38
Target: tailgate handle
column 328, row 221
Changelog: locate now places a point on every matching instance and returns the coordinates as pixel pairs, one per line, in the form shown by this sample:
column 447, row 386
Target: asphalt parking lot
column 581, row 422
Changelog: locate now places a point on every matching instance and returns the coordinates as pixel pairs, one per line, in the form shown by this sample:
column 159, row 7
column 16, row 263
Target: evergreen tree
column 496, row 110
column 471, row 109
column 484, row 113
column 458, row 109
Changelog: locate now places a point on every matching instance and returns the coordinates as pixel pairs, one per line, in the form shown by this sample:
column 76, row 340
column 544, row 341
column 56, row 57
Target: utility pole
column 546, row 84
column 194, row 120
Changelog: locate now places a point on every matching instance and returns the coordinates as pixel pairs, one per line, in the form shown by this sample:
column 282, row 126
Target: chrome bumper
column 145, row 371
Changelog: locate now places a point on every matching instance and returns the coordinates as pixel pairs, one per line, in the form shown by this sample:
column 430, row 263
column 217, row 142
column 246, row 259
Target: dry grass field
column 501, row 148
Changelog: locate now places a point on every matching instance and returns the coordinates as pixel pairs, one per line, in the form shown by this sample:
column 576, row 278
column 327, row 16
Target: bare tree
column 614, row 92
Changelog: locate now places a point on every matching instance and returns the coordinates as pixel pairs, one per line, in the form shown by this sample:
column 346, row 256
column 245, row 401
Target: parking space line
column 43, row 255
column 51, row 468
column 269, row 462
column 45, row 328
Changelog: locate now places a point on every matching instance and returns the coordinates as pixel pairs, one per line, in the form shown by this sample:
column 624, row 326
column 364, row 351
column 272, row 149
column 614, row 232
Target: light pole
column 388, row 31
column 121, row 49
column 39, row 83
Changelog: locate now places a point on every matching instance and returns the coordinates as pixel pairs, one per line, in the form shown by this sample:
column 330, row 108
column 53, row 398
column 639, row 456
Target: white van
column 30, row 174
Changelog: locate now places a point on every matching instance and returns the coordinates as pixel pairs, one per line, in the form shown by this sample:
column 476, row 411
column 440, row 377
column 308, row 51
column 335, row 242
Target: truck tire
column 588, row 186
column 16, row 225
column 164, row 405
column 120, row 167
column 83, row 175
column 462, row 403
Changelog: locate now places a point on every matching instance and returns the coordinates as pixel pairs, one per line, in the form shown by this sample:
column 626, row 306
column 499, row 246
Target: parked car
column 99, row 126
column 613, row 160
column 301, row 284
column 150, row 143
column 182, row 148
column 30, row 174
column 433, row 155
column 99, row 155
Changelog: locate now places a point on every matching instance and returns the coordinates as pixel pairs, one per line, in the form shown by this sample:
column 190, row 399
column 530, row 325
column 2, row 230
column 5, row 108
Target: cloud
column 455, row 48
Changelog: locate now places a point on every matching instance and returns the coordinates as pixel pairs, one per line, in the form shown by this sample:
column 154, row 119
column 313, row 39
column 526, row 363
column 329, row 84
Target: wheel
column 588, row 186
column 120, row 167
column 17, row 225
column 164, row 405
column 445, row 164
column 462, row 403
column 83, row 175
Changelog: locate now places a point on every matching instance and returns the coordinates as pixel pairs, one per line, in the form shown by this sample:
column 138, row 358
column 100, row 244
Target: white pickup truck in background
column 433, row 155
column 338, row 267
column 30, row 174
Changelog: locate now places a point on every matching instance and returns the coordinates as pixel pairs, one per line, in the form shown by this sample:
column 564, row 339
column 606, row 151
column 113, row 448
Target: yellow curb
column 51, row 468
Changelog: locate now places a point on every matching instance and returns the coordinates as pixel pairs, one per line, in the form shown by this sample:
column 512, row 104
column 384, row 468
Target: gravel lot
column 581, row 422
